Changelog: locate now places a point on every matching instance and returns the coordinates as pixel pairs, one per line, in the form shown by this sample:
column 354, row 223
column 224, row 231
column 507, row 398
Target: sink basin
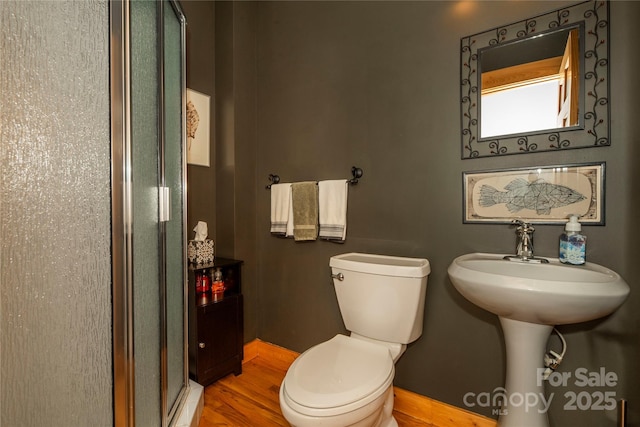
column 529, row 299
column 549, row 294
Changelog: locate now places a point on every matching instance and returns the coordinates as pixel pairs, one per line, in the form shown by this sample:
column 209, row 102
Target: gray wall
column 224, row 195
column 201, row 78
column 55, row 236
column 376, row 84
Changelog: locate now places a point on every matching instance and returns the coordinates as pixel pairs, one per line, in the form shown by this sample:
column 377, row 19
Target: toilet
column 348, row 380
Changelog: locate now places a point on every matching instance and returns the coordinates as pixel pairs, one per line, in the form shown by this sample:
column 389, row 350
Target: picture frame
column 542, row 195
column 198, row 130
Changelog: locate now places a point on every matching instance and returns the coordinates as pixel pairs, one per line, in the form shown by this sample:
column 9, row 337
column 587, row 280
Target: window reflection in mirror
column 531, row 85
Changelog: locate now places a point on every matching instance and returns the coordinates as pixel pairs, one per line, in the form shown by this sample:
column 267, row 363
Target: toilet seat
column 338, row 376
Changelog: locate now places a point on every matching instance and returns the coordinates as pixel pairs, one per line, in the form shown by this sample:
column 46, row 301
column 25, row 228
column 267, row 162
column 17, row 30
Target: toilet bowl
column 348, row 380
column 341, row 382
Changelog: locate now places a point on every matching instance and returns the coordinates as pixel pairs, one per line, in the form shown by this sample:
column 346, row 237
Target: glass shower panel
column 173, row 175
column 55, row 215
column 145, row 177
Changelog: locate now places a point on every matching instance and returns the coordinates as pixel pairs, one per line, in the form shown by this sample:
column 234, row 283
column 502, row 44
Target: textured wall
column 55, row 293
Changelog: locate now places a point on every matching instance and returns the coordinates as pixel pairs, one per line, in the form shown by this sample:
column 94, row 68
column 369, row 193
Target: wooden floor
column 251, row 399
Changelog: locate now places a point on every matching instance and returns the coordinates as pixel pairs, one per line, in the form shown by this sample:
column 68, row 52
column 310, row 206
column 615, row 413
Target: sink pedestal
column 525, row 403
column 528, row 298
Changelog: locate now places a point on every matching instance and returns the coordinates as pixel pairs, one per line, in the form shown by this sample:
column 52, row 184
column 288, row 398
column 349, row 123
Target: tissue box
column 200, row 251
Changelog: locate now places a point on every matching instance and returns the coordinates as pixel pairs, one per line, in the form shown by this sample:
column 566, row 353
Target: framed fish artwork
column 542, row 195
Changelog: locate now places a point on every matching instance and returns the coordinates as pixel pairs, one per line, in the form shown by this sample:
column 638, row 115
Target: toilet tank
column 381, row 297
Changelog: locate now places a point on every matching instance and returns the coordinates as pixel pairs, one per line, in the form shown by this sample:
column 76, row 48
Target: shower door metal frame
column 169, row 414
column 122, row 217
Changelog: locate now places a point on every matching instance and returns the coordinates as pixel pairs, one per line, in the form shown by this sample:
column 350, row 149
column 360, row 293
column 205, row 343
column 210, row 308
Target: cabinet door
column 219, row 349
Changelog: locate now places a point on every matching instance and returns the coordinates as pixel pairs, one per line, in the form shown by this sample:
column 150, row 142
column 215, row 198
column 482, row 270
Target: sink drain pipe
column 552, row 359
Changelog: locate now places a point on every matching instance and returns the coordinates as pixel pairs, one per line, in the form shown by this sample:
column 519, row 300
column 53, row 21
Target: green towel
column 305, row 210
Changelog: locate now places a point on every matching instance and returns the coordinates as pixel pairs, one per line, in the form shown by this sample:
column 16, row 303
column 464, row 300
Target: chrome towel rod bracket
column 355, row 171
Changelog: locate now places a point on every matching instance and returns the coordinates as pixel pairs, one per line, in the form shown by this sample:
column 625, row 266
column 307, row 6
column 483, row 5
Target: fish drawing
column 538, row 195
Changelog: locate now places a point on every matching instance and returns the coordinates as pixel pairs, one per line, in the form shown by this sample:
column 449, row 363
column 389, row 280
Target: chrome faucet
column 524, row 239
column 524, row 243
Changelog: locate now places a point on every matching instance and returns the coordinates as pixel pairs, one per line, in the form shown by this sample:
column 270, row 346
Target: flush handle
column 338, row 276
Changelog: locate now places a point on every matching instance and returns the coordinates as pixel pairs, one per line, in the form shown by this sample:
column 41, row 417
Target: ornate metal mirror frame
column 593, row 130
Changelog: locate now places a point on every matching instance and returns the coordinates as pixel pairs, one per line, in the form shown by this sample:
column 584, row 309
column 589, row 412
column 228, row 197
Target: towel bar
column 355, row 171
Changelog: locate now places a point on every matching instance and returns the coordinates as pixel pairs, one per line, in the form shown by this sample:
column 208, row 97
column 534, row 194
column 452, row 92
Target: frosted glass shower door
column 174, row 165
column 148, row 87
column 145, row 159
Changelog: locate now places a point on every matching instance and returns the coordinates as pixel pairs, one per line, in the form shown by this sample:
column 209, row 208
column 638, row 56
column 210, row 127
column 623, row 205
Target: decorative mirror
column 541, row 84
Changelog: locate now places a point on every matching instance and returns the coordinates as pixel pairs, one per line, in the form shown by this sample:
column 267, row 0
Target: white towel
column 281, row 210
column 332, row 205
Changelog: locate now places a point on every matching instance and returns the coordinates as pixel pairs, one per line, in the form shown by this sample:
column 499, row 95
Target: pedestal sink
column 529, row 299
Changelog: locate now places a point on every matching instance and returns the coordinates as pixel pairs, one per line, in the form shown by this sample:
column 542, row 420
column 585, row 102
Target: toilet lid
column 338, row 372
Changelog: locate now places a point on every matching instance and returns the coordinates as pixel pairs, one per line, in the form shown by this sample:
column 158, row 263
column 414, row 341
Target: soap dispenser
column 573, row 245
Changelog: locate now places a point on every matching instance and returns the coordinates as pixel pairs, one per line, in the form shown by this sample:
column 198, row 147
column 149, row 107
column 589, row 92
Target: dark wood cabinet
column 216, row 325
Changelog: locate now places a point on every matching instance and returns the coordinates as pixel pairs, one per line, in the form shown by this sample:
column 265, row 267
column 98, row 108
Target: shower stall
column 92, row 214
